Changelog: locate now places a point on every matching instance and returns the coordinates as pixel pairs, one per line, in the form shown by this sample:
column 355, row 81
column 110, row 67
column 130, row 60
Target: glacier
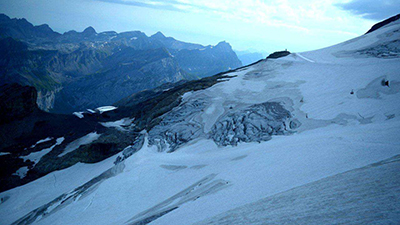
column 273, row 137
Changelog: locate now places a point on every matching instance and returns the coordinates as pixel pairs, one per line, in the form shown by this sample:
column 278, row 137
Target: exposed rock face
column 46, row 99
column 26, row 130
column 208, row 60
column 254, row 124
column 16, row 102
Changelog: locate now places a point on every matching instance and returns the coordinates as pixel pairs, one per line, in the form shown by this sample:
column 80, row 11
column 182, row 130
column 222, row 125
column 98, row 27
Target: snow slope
column 349, row 119
column 376, row 189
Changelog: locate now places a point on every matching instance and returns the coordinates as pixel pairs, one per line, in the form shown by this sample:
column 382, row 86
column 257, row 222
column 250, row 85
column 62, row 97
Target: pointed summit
column 158, row 35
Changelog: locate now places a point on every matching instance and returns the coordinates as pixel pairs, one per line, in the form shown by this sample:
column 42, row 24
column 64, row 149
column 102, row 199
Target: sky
column 255, row 25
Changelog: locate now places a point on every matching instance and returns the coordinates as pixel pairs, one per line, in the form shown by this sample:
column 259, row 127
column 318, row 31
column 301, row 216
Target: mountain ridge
column 80, row 55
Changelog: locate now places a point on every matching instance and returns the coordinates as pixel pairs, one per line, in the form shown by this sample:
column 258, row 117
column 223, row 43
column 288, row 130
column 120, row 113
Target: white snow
column 79, row 114
column 4, row 153
column 87, row 139
column 28, row 197
column 340, row 132
column 21, row 172
column 106, row 109
column 119, row 124
column 41, row 141
column 308, row 60
column 36, row 156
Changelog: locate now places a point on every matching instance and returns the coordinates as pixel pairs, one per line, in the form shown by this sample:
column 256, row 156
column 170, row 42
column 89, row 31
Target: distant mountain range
column 78, row 70
column 249, row 57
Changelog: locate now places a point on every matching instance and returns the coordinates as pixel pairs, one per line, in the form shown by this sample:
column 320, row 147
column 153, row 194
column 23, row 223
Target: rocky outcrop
column 16, row 102
column 383, row 23
column 46, row 99
column 279, row 54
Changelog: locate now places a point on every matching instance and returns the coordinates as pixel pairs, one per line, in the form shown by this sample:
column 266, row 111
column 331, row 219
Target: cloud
column 306, row 17
column 372, row 9
column 163, row 5
column 170, row 5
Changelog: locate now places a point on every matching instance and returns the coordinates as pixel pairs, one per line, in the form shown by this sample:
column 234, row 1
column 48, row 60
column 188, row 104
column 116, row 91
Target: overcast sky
column 258, row 25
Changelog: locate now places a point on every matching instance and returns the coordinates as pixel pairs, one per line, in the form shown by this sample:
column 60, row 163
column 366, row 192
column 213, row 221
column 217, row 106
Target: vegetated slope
column 78, row 70
column 259, row 133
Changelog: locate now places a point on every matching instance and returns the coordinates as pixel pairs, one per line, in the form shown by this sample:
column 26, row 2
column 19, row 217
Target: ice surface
column 376, row 189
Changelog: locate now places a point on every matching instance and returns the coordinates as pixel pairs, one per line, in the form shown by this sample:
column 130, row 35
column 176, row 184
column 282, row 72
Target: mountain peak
column 89, row 31
column 158, row 35
column 4, row 17
column 223, row 45
column 45, row 28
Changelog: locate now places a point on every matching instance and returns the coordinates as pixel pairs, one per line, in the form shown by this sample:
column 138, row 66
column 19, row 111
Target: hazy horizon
column 254, row 25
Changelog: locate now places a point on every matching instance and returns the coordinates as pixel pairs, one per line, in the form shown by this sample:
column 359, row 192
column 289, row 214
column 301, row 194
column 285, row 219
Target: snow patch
column 119, row 124
column 21, row 172
column 79, row 114
column 106, row 109
column 36, row 156
column 41, row 141
column 87, row 139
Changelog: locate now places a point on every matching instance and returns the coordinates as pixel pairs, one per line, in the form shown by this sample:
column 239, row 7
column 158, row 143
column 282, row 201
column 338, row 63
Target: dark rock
column 385, row 83
column 279, row 54
column 89, row 32
column 16, row 102
column 383, row 23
